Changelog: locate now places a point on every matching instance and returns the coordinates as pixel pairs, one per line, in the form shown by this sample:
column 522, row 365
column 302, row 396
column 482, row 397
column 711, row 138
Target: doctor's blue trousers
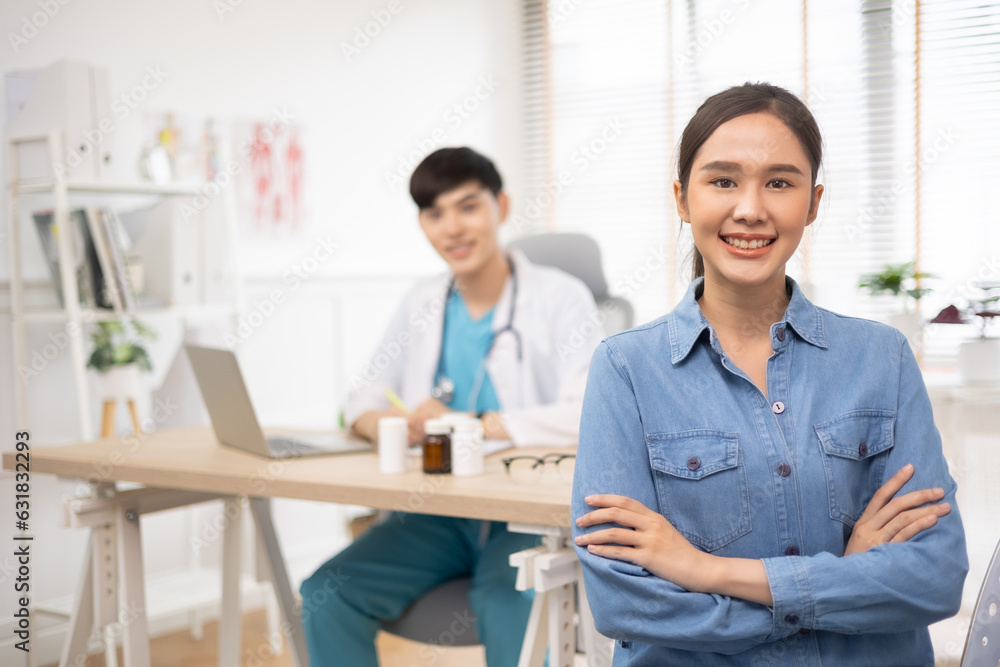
column 386, row 569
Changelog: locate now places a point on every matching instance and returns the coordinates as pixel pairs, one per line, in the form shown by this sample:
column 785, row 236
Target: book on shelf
column 98, row 252
column 102, row 246
column 83, row 252
column 118, row 240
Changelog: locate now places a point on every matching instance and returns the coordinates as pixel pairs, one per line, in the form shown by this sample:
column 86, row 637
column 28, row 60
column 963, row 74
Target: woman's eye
column 469, row 208
column 778, row 183
column 724, row 182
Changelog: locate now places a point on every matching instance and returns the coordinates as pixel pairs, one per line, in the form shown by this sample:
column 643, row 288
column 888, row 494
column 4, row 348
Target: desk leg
column 135, row 631
column 599, row 649
column 536, row 637
column 81, row 623
column 562, row 631
column 552, row 570
column 230, row 622
column 105, row 589
column 261, row 508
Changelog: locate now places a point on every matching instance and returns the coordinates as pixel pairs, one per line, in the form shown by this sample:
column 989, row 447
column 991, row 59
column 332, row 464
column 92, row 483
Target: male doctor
column 496, row 336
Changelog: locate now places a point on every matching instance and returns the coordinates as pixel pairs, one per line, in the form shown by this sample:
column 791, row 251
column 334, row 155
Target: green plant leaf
column 143, row 331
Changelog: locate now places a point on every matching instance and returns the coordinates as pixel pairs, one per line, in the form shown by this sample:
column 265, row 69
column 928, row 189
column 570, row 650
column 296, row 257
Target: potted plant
column 979, row 358
column 902, row 281
column 118, row 358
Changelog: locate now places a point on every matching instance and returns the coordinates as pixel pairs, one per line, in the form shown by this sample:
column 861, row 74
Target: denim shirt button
column 791, row 550
column 625, row 644
column 784, row 469
column 778, row 407
column 694, row 463
column 780, row 333
column 863, row 449
column 792, row 619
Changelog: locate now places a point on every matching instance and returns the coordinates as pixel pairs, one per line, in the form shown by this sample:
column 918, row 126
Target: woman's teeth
column 747, row 245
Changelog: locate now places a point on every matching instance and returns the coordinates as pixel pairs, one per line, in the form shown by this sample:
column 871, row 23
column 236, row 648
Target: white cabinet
column 187, row 261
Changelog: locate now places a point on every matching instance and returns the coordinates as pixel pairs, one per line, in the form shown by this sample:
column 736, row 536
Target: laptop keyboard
column 286, row 448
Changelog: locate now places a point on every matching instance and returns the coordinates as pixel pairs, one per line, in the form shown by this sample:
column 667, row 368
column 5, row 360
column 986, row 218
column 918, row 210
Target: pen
column 396, row 400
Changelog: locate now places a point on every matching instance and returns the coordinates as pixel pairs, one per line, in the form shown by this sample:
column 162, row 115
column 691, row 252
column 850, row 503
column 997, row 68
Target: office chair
column 580, row 256
column 432, row 615
column 983, row 644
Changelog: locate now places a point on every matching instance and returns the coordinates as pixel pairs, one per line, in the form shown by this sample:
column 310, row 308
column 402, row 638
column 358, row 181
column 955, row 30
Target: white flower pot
column 979, row 362
column 910, row 325
column 119, row 382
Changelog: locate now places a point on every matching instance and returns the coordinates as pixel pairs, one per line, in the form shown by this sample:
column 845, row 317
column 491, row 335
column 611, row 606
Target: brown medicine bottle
column 437, row 446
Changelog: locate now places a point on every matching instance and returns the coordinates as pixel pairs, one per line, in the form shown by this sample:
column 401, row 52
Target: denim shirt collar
column 686, row 322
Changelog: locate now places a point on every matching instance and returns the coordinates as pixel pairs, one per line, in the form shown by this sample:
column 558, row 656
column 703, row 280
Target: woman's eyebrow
column 733, row 167
column 784, row 169
column 721, row 165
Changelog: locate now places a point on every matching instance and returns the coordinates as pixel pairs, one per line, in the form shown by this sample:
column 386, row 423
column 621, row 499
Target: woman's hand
column 651, row 543
column 890, row 519
column 656, row 545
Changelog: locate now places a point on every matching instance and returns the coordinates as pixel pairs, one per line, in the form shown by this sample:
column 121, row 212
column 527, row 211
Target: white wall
column 361, row 118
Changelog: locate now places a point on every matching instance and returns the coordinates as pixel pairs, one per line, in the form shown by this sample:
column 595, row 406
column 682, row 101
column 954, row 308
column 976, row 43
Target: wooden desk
column 186, row 466
column 193, row 460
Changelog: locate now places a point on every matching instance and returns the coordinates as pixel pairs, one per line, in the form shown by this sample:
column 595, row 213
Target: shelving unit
column 75, row 316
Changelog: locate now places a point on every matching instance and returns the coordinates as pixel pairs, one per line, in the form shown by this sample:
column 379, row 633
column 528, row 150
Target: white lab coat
column 540, row 397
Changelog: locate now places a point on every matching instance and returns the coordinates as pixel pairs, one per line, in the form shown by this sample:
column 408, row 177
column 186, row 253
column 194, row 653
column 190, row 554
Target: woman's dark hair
column 740, row 101
column 447, row 168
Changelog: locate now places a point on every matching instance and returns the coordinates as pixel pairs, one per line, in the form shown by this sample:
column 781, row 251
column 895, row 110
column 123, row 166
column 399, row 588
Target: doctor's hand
column 891, row 519
column 429, row 409
column 646, row 539
column 367, row 424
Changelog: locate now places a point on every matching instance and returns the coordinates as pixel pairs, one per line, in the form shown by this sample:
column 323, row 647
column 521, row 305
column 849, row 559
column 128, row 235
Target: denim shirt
column 671, row 421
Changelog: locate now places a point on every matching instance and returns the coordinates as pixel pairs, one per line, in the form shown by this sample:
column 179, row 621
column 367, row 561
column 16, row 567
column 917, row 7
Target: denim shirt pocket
column 854, row 449
column 701, row 484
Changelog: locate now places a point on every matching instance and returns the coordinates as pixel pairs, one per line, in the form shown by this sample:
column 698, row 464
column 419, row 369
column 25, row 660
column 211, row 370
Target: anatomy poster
column 270, row 179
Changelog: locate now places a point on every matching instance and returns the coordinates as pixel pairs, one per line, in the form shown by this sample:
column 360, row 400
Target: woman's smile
column 747, row 246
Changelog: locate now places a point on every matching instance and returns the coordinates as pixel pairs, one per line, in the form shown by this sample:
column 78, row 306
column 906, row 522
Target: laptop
column 233, row 418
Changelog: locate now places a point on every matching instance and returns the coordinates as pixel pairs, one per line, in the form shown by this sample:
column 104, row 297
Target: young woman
column 737, row 499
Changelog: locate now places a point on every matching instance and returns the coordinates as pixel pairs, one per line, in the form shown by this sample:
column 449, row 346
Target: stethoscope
column 444, row 387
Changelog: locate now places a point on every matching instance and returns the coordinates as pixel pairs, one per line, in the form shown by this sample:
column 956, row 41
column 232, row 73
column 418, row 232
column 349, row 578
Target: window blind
column 611, row 84
column 959, row 157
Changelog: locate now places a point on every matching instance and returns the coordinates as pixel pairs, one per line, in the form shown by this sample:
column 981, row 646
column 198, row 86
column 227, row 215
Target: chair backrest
column 983, row 644
column 580, row 256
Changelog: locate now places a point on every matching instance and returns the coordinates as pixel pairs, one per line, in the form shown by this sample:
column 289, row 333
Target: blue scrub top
column 463, row 357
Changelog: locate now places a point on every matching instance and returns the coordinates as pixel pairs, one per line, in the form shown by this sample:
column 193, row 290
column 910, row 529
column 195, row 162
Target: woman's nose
column 750, row 207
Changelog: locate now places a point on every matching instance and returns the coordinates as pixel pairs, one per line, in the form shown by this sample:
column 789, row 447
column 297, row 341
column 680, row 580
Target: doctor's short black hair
column 447, row 168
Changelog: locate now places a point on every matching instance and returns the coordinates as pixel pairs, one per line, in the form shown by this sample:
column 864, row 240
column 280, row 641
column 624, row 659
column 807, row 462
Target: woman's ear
column 814, row 204
column 681, row 202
